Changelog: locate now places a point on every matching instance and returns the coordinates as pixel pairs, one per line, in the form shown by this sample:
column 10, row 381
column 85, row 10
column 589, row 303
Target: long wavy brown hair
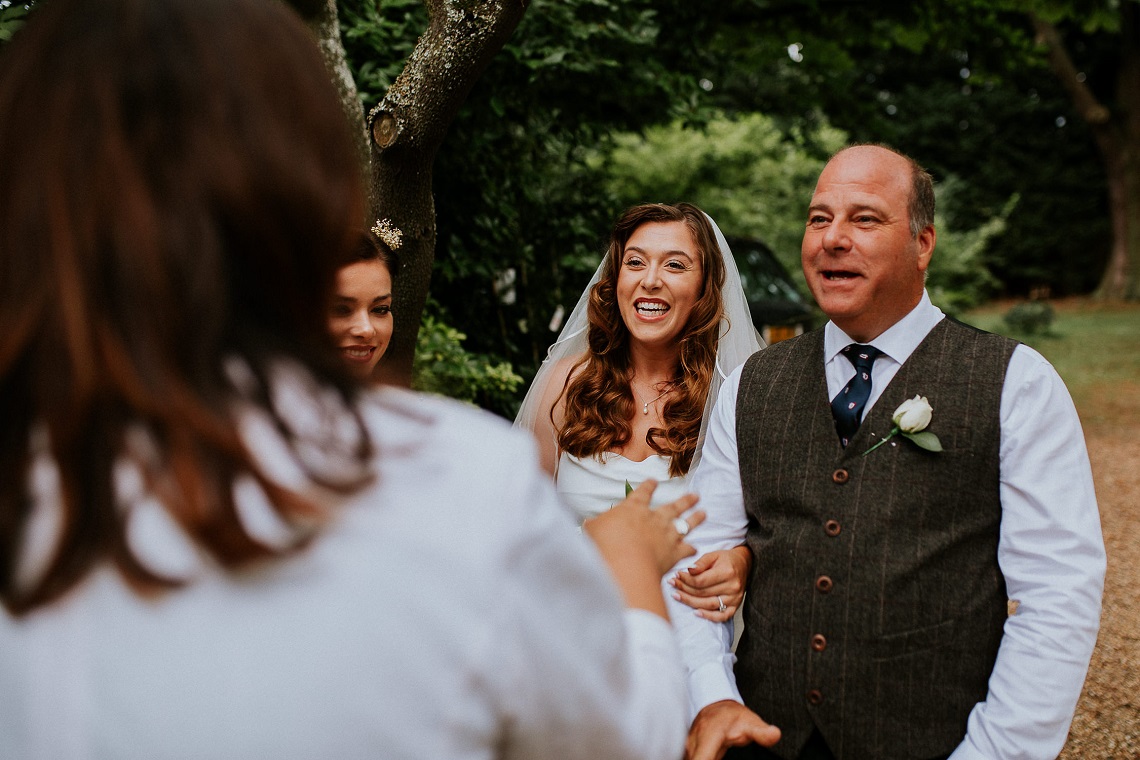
column 178, row 181
column 599, row 402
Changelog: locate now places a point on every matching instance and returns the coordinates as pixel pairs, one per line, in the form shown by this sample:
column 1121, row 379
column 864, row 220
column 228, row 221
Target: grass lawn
column 1095, row 348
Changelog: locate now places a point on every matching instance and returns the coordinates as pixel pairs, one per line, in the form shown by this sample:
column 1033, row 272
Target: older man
column 876, row 622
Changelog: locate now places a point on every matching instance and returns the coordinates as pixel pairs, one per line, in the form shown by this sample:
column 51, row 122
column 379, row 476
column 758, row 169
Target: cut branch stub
column 385, row 129
column 1097, row 115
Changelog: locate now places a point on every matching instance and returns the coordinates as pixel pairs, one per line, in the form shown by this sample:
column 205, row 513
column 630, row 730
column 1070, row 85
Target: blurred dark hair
column 178, row 182
column 599, row 401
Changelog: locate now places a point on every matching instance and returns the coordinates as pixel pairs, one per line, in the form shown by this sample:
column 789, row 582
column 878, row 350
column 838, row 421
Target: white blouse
column 448, row 610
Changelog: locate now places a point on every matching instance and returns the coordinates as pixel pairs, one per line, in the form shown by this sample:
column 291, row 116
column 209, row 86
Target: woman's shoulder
column 567, row 368
column 449, row 473
column 399, row 419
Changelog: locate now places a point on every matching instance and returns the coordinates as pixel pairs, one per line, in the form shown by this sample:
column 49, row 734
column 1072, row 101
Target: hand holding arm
column 715, row 578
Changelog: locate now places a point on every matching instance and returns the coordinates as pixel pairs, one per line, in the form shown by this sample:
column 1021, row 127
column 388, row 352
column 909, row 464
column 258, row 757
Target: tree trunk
column 1117, row 137
column 1119, row 281
column 407, row 128
column 325, row 23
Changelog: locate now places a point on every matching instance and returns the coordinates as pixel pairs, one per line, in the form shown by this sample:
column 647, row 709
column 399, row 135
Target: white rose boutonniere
column 911, row 420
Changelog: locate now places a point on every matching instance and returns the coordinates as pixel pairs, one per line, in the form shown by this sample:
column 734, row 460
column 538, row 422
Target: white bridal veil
column 738, row 341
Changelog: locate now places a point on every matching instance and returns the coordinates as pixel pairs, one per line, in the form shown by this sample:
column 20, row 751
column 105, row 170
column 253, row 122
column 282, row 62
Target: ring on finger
column 681, row 525
column 723, row 606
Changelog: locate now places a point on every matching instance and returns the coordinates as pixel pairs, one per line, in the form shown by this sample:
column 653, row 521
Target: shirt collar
column 898, row 341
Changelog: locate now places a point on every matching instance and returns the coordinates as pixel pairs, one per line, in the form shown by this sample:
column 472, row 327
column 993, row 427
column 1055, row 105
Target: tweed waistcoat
column 875, row 605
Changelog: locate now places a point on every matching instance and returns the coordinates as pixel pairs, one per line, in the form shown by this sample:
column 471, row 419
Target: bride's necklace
column 654, row 400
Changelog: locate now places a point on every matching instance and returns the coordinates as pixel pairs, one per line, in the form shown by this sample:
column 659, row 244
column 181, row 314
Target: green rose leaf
column 628, row 488
column 925, row 440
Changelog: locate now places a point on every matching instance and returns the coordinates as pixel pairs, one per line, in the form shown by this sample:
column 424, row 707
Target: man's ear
column 925, row 245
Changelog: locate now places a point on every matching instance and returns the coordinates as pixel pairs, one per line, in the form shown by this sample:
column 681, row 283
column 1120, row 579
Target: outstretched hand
column 726, row 724
column 640, row 543
column 714, row 584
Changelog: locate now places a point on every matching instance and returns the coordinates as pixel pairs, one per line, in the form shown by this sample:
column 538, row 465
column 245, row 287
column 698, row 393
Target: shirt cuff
column 712, row 682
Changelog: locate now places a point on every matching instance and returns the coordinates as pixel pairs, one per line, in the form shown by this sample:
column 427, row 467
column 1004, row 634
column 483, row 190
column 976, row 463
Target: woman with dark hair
column 360, row 308
column 214, row 542
column 624, row 393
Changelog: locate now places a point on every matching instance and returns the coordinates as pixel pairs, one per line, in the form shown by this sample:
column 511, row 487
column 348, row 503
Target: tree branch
column 325, row 23
column 1090, row 108
column 407, row 128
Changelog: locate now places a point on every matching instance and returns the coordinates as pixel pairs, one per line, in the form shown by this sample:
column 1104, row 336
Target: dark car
column 779, row 310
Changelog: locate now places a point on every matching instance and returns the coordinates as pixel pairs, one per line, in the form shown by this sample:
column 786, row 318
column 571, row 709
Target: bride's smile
column 659, row 282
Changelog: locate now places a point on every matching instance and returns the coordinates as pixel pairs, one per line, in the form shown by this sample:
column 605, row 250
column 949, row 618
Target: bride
column 624, row 393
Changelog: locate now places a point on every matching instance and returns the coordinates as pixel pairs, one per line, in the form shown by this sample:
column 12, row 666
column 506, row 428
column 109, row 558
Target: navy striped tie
column 847, row 406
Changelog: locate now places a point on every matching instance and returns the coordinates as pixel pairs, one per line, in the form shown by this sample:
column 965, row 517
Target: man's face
column 862, row 265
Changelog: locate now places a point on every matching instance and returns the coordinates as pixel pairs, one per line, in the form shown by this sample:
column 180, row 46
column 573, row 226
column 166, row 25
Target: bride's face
column 659, row 281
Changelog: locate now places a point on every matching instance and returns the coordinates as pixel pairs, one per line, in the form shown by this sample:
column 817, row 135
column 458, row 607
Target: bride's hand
column 641, row 544
column 714, row 585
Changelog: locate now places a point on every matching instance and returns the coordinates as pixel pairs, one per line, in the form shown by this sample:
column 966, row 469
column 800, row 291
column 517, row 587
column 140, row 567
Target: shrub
column 442, row 365
column 1030, row 318
column 958, row 278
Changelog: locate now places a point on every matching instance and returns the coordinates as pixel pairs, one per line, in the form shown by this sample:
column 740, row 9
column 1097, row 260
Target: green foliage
column 961, row 86
column 958, row 278
column 1030, row 318
column 517, row 200
column 378, row 37
column 751, row 176
column 526, row 189
column 442, row 365
column 998, row 139
column 12, row 17
column 755, row 180
column 1091, row 15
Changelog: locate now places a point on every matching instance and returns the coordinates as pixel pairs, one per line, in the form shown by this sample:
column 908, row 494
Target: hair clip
column 388, row 232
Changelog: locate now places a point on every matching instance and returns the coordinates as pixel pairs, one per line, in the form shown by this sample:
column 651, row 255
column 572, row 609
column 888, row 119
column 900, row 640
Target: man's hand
column 726, row 724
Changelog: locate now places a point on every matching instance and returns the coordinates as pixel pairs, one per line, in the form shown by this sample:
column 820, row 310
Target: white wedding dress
column 590, row 486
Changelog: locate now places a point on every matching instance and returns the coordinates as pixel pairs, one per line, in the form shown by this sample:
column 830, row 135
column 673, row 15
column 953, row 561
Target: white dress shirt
column 1050, row 548
column 448, row 610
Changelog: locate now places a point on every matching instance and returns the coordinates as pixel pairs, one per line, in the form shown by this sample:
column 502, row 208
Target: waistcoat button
column 823, row 584
column 815, row 697
column 818, row 643
column 832, row 528
column 840, row 476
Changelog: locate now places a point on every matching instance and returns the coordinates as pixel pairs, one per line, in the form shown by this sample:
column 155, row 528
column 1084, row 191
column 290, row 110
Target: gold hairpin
column 388, row 232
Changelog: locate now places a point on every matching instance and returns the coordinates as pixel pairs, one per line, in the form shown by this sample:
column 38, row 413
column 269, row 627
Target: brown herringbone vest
column 875, row 605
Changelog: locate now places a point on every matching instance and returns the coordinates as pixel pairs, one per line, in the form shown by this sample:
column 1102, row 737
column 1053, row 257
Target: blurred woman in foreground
column 213, row 543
